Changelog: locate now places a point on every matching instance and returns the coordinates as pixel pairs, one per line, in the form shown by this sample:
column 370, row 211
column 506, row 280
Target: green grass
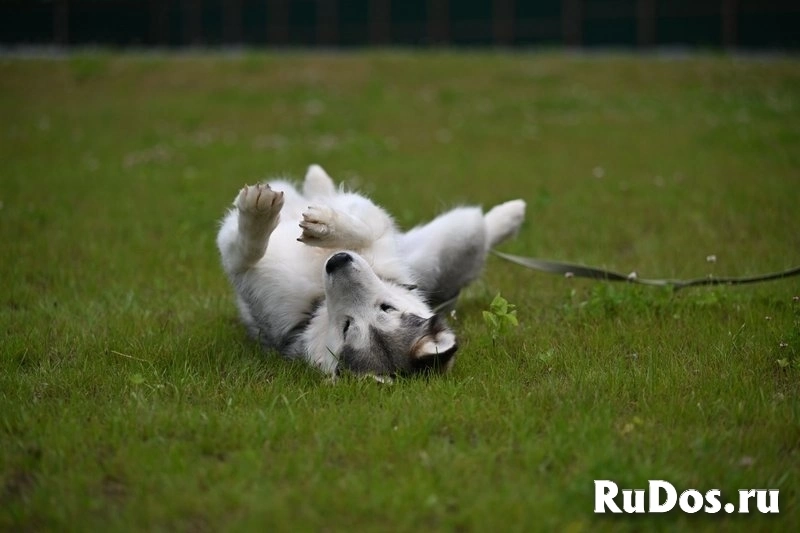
column 131, row 399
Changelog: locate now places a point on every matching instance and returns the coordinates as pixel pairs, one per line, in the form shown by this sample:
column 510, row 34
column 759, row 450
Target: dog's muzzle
column 337, row 261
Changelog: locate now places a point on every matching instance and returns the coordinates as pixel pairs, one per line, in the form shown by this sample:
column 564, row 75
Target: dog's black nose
column 337, row 261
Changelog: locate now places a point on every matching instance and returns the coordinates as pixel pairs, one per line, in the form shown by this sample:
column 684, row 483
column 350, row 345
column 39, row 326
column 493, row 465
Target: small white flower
column 598, row 172
column 711, row 258
column 746, row 461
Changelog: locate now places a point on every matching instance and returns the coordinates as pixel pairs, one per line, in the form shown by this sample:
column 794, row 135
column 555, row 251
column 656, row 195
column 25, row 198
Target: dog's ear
column 441, row 344
column 438, row 343
column 316, row 172
column 318, row 183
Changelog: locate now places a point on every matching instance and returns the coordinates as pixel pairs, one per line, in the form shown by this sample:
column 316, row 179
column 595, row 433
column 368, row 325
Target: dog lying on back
column 352, row 292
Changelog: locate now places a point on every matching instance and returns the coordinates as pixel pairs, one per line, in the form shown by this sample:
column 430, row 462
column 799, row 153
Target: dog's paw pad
column 317, row 224
column 259, row 200
column 318, row 214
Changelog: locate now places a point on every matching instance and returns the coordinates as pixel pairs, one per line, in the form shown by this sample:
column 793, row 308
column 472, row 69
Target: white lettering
column 637, row 506
column 761, row 501
column 693, row 507
column 662, row 497
column 712, row 497
column 656, row 506
column 744, row 496
column 604, row 492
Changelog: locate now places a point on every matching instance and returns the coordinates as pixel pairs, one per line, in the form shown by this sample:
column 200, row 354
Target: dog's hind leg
column 318, row 183
column 449, row 252
column 243, row 237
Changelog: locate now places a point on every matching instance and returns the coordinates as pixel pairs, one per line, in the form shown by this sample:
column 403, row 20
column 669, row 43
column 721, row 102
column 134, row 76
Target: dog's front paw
column 259, row 200
column 317, row 224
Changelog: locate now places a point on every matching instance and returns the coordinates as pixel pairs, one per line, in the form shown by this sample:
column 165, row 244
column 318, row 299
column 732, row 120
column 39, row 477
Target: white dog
column 352, row 292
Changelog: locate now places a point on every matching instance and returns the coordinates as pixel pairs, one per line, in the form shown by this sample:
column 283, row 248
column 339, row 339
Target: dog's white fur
column 293, row 296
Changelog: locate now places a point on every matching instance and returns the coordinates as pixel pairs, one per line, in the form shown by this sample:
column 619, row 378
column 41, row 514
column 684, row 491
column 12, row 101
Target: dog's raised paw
column 317, row 224
column 259, row 200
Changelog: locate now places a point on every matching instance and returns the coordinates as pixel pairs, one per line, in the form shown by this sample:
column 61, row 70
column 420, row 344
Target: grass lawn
column 131, row 399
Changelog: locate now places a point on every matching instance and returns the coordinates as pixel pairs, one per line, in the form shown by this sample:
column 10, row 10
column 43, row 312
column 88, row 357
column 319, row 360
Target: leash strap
column 580, row 271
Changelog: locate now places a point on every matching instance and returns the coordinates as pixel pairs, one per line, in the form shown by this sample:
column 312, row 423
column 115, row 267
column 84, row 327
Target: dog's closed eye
column 386, row 308
column 346, row 327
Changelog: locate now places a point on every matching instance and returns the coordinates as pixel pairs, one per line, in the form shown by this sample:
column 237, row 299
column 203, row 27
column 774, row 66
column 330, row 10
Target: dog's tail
column 503, row 221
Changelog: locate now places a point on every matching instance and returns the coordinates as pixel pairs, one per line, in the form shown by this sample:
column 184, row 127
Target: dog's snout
column 337, row 261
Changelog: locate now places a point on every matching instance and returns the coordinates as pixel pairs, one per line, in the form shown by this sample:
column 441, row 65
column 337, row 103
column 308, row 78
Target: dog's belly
column 283, row 288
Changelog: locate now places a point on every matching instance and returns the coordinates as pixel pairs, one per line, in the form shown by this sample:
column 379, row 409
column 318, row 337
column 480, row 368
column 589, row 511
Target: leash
column 580, row 271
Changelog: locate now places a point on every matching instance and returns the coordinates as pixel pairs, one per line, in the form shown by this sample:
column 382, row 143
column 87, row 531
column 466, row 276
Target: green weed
column 500, row 317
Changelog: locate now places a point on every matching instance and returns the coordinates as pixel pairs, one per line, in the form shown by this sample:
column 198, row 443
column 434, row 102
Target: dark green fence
column 339, row 23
